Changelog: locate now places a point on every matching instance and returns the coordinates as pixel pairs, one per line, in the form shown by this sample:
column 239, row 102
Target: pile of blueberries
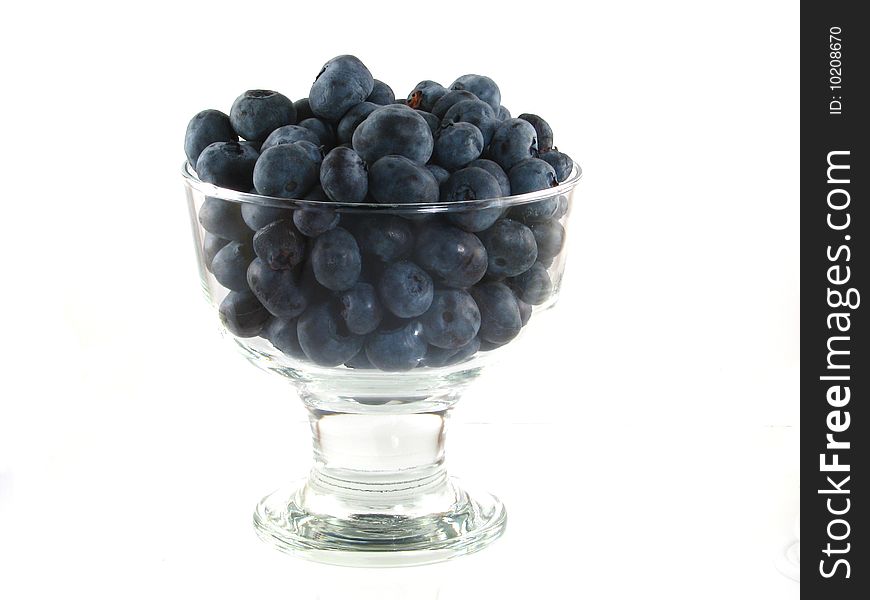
column 374, row 289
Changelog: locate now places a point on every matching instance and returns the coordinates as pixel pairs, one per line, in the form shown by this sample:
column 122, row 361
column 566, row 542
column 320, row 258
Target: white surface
column 642, row 448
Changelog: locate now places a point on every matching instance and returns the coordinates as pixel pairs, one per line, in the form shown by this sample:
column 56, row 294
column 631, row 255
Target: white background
column 644, row 437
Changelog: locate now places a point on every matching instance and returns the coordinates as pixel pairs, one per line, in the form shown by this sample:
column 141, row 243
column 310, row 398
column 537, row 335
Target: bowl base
column 473, row 521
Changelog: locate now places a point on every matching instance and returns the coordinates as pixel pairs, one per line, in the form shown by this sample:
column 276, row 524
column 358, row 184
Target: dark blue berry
column 510, row 248
column 454, row 258
column 525, row 311
column 561, row 163
column 481, row 86
column 324, row 338
column 457, row 144
column 531, row 175
column 336, row 259
column 211, row 245
column 387, row 237
column 285, row 171
column 533, row 286
column 500, row 319
column 443, row 104
column 431, row 120
column 394, row 130
column 242, row 314
column 257, row 113
column 257, row 216
column 230, row 266
column 312, row 222
column 476, row 112
column 351, row 120
column 549, row 237
column 399, row 349
column 467, row 184
column 344, row 176
column 397, row 180
column 289, row 134
column 277, row 291
column 360, row 361
column 503, row 113
column 382, row 94
column 361, row 308
column 406, row 289
column 425, row 94
column 496, row 171
column 441, row 174
column 205, row 128
column 303, row 109
column 224, row 219
column 342, row 83
column 228, row 164
column 452, row 320
column 280, row 245
column 282, row 334
column 323, row 130
column 542, row 130
column 514, row 140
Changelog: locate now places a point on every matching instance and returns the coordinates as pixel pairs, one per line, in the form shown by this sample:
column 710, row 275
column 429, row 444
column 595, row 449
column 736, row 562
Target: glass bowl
column 378, row 493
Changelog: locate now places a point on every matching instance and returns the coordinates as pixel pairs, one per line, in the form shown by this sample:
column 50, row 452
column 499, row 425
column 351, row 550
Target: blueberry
column 395, row 179
column 342, row 83
column 289, row 134
column 425, row 94
column 286, row 171
column 224, row 219
column 457, row 144
column 431, row 120
column 561, row 163
column 323, row 130
column 205, row 128
column 454, row 257
column 443, row 104
column 314, row 151
column 406, row 289
column 360, row 361
column 476, row 112
column 467, row 184
column 336, row 259
column 388, row 237
column 230, row 266
column 542, row 129
column 381, row 93
column 503, row 113
column 344, row 176
column 562, row 209
column 399, row 349
column 280, row 245
column 394, row 130
column 257, row 216
column 312, row 222
column 282, row 334
column 452, row 320
column 361, row 308
column 525, row 311
column 257, row 113
column 514, row 140
column 500, row 319
column 496, row 171
column 531, row 175
column 277, row 291
column 440, row 357
column 441, row 174
column 481, row 86
column 324, row 338
column 211, row 245
column 228, row 164
column 510, row 248
column 351, row 120
column 533, row 286
column 303, row 109
column 242, row 314
column 549, row 237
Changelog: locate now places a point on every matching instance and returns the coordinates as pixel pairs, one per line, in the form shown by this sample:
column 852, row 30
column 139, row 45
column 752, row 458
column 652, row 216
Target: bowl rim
column 213, row 191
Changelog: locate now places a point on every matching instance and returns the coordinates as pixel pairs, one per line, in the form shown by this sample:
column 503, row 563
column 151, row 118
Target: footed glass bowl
column 379, row 396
